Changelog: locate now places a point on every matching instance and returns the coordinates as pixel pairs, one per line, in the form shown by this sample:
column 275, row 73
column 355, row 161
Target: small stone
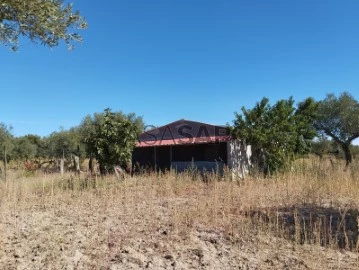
column 169, row 257
column 77, row 257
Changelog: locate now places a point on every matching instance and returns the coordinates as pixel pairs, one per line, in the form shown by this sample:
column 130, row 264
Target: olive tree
column 6, row 139
column 44, row 21
column 24, row 148
column 39, row 143
column 338, row 118
column 64, row 144
column 6, row 145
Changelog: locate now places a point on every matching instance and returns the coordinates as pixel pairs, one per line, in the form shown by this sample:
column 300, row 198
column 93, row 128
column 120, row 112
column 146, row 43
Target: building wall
column 238, row 158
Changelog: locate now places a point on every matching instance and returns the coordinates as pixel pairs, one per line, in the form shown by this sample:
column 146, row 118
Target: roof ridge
column 180, row 120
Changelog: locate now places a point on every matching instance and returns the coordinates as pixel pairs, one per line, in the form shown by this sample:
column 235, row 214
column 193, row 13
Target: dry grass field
column 303, row 219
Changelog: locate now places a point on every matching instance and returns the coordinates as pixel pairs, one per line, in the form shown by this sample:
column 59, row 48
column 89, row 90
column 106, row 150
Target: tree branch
column 353, row 137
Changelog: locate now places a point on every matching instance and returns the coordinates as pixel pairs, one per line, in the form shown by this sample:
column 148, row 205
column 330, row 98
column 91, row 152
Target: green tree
column 6, row 141
column 304, row 117
column 338, row 118
column 354, row 150
column 39, row 143
column 277, row 132
column 111, row 137
column 62, row 143
column 322, row 146
column 24, row 148
column 44, row 21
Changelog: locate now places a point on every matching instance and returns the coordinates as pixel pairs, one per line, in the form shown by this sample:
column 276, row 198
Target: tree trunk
column 103, row 170
column 5, row 163
column 62, row 165
column 91, row 168
column 348, row 155
column 76, row 163
column 120, row 173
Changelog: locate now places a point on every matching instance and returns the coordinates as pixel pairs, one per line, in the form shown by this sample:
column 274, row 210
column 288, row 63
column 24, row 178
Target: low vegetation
column 306, row 218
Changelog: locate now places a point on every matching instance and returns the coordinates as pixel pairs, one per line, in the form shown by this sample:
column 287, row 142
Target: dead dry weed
column 303, row 219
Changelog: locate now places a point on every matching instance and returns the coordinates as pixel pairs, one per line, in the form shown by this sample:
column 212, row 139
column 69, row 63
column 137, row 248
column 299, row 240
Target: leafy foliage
column 338, row 118
column 46, row 21
column 305, row 115
column 111, row 137
column 6, row 140
column 39, row 143
column 24, row 148
column 323, row 146
column 277, row 133
column 63, row 143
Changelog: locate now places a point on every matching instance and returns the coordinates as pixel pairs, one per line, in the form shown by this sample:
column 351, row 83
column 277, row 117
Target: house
column 183, row 144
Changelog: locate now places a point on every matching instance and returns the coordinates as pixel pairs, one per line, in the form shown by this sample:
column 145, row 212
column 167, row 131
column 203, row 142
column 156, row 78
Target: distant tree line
column 278, row 133
column 109, row 137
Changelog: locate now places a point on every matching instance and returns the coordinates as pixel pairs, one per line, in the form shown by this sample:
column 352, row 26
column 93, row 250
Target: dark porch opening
column 163, row 157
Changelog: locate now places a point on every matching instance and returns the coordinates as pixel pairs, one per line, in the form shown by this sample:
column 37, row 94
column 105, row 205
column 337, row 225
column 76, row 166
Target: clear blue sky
column 170, row 59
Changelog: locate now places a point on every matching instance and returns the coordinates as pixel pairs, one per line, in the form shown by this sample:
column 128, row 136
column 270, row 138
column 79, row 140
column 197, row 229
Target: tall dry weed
column 314, row 203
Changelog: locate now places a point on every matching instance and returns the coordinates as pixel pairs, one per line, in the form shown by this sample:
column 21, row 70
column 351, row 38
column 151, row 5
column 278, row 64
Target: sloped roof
column 183, row 132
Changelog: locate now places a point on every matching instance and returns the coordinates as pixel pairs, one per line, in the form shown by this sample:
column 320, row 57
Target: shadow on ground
column 327, row 226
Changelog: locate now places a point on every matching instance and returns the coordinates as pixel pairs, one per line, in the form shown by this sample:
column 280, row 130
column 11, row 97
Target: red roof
column 183, row 132
column 184, row 141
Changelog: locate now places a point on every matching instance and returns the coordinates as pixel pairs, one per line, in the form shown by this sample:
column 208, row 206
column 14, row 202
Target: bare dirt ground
column 48, row 223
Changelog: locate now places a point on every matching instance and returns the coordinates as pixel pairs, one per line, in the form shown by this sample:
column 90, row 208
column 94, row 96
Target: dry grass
column 303, row 219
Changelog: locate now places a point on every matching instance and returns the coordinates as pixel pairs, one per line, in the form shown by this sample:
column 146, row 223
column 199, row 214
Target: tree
column 322, row 146
column 39, row 143
column 62, row 143
column 304, row 116
column 24, row 148
column 111, row 137
column 44, row 21
column 6, row 140
column 338, row 118
column 277, row 133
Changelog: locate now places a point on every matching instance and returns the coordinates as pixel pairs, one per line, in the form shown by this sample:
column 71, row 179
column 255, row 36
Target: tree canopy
column 44, row 21
column 24, row 148
column 111, row 137
column 277, row 132
column 6, row 140
column 64, row 143
column 338, row 118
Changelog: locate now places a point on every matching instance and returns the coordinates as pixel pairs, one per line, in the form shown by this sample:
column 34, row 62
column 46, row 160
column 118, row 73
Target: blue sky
column 170, row 59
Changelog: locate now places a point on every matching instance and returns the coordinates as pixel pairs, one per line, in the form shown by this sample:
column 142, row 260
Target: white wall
column 238, row 158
